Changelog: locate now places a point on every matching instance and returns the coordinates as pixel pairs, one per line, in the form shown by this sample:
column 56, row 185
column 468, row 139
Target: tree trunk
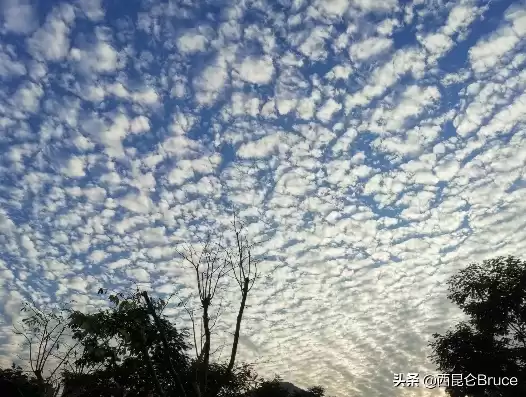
column 166, row 348
column 206, row 351
column 151, row 369
column 41, row 383
column 238, row 325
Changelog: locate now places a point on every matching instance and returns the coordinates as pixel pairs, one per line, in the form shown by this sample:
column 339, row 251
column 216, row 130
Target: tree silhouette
column 271, row 388
column 277, row 388
column 123, row 349
column 211, row 262
column 133, row 350
column 15, row 382
column 244, row 267
column 130, row 349
column 210, row 267
column 45, row 335
column 315, row 391
column 492, row 341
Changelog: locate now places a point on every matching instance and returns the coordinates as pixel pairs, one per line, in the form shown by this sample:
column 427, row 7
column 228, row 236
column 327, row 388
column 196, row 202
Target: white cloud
column 137, row 203
column 77, row 283
column 375, row 6
column 291, row 84
column 313, row 46
column 257, row 71
column 27, row 98
column 344, row 141
column 140, row 275
column 211, row 82
column 112, row 136
column 139, row 124
column 97, row 256
column 326, row 112
column 506, row 119
column 297, row 183
column 387, row 26
column 413, row 102
column 92, row 9
column 489, row 52
column 37, row 70
column 369, row 48
column 192, row 42
column 261, row 148
column 51, row 42
column 19, row 16
column 102, row 58
column 459, row 17
column 187, row 169
column 118, row 90
column 75, row 168
column 306, row 108
column 147, row 96
column 437, row 43
column 339, row 72
column 10, row 67
column 94, row 93
column 356, row 171
column 402, row 62
column 333, row 7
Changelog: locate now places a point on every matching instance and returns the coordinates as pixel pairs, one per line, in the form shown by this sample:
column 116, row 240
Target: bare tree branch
column 245, row 271
column 209, row 268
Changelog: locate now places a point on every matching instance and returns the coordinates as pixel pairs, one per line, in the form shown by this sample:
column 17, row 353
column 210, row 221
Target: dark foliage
column 277, row 388
column 492, row 341
column 122, row 353
column 122, row 349
column 15, row 383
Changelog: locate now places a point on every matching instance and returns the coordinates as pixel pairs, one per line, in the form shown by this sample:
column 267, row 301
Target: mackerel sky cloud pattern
column 376, row 147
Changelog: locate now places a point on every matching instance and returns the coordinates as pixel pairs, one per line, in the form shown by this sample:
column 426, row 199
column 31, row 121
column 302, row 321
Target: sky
column 373, row 148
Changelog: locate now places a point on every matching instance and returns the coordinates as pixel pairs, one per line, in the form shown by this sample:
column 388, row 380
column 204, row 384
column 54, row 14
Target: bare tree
column 210, row 267
column 211, row 264
column 244, row 267
column 50, row 347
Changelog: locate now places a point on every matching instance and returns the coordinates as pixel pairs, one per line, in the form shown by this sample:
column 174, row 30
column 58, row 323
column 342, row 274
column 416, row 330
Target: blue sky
column 375, row 146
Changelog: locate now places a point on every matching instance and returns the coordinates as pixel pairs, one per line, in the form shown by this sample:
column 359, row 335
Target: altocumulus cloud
column 375, row 146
